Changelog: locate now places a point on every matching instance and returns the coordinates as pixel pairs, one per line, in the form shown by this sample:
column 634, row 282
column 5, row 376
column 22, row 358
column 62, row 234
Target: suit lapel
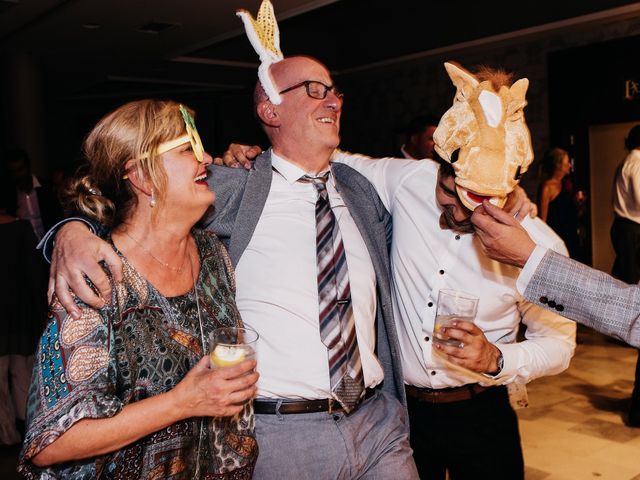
column 253, row 200
column 364, row 216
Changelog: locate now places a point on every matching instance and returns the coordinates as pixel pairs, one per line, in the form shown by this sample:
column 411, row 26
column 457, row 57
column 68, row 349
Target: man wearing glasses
column 272, row 219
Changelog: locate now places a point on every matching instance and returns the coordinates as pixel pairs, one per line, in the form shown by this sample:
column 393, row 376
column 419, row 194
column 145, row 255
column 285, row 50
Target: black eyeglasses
column 317, row 90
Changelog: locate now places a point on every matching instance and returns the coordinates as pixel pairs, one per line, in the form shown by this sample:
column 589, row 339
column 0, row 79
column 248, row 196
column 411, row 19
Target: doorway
column 606, row 151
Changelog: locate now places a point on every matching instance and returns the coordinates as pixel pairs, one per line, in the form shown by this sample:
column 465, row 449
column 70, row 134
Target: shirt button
column 441, row 272
column 433, row 372
column 544, row 300
column 457, row 237
column 426, row 339
column 552, row 304
column 559, row 308
column 430, row 304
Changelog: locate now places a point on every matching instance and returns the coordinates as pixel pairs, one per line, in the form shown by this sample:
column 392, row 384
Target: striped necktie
column 337, row 325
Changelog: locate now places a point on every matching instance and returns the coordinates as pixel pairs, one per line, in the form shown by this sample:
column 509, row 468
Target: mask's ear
column 518, row 92
column 137, row 179
column 268, row 113
column 463, row 80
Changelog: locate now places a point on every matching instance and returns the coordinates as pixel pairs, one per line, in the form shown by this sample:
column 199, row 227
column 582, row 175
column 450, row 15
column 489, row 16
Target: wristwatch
column 500, row 363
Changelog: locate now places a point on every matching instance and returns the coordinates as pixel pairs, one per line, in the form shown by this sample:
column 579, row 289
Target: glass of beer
column 452, row 305
column 232, row 345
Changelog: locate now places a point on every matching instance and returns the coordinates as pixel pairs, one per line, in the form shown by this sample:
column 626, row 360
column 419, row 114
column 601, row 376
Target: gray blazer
column 588, row 296
column 240, row 199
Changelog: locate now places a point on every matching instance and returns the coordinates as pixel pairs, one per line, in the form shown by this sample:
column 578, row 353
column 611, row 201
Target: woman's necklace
column 164, row 264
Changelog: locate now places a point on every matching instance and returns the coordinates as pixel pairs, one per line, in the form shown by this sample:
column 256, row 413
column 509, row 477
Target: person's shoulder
column 550, row 189
column 223, row 175
column 205, row 236
column 548, row 185
column 427, row 165
column 346, row 174
column 208, row 242
column 632, row 162
column 213, row 253
column 543, row 235
column 222, row 171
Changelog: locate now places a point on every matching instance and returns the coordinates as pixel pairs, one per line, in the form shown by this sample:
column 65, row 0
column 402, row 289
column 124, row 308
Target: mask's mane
column 497, row 77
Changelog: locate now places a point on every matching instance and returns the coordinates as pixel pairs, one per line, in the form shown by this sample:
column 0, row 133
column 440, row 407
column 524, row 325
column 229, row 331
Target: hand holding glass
column 232, row 345
column 452, row 306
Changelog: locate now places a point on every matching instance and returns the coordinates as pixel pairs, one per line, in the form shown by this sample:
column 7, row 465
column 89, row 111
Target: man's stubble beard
column 449, row 220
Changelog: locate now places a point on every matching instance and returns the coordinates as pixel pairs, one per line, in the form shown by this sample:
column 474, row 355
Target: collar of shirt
column 405, row 153
column 292, row 172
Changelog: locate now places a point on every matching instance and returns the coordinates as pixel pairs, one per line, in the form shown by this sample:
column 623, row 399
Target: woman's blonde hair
column 131, row 132
column 552, row 160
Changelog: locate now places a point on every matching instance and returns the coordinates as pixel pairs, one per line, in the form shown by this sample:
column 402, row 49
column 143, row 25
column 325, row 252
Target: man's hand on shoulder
column 238, row 155
column 77, row 253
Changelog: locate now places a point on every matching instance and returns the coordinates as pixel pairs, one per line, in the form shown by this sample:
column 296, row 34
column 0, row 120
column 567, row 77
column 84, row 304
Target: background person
column 27, row 196
column 24, row 308
column 556, row 203
column 625, row 236
column 419, row 144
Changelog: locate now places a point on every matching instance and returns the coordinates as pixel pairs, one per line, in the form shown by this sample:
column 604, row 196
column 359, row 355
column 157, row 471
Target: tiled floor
column 574, row 426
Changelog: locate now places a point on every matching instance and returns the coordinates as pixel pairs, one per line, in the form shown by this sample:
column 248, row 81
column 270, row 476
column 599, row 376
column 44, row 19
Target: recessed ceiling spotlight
column 157, row 27
column 91, row 26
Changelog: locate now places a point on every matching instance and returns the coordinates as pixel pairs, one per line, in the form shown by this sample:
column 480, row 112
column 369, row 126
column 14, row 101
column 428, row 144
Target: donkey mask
column 485, row 138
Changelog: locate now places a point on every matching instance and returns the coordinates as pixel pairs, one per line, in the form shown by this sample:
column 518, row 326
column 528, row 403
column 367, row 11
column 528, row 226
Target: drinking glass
column 232, row 345
column 452, row 305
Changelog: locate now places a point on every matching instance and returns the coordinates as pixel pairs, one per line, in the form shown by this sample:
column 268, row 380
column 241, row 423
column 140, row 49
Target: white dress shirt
column 277, row 289
column 626, row 191
column 426, row 258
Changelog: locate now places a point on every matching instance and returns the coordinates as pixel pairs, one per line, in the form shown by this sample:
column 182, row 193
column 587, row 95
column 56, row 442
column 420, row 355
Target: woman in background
column 556, row 204
column 23, row 290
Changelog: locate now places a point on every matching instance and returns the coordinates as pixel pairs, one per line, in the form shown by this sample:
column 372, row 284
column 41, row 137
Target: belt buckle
column 330, row 401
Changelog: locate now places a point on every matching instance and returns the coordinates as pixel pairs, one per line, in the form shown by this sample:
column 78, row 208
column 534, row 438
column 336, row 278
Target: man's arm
column 586, row 295
column 386, row 174
column 549, row 346
column 549, row 280
column 76, row 256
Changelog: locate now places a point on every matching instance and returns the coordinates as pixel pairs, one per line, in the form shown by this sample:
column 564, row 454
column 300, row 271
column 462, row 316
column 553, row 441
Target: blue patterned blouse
column 140, row 345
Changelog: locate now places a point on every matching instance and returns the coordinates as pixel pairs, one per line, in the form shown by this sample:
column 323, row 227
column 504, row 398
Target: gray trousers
column 371, row 443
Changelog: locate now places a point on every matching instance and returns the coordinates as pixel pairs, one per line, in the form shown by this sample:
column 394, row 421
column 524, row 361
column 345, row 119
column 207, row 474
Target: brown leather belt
column 445, row 395
column 270, row 407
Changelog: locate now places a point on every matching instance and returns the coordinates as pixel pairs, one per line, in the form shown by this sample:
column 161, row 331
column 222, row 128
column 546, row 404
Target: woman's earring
column 152, row 202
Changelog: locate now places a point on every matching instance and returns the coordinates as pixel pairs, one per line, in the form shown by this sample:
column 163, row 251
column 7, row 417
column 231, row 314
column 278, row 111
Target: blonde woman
column 556, row 202
column 125, row 391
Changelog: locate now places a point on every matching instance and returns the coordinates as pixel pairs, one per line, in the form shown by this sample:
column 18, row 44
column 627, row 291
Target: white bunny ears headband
column 264, row 36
